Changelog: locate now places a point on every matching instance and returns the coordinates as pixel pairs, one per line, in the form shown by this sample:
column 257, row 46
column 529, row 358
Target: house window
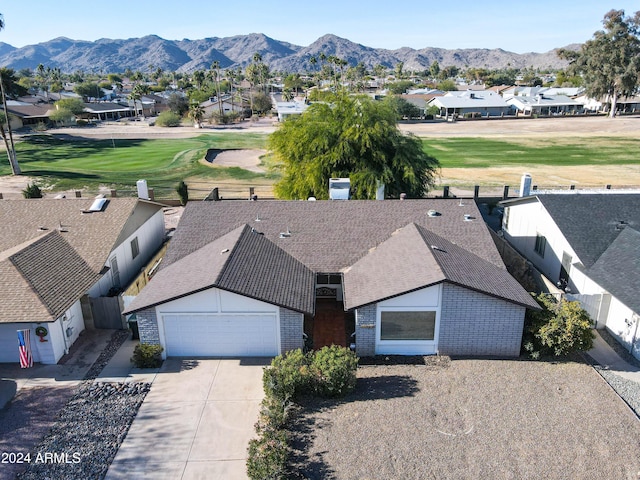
column 407, row 325
column 328, row 279
column 541, row 244
column 135, row 249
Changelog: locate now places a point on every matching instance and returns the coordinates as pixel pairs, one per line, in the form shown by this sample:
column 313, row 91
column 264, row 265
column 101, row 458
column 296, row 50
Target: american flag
column 24, row 347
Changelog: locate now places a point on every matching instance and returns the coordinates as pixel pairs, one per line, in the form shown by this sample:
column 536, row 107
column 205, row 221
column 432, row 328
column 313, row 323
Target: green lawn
column 77, row 163
column 567, row 151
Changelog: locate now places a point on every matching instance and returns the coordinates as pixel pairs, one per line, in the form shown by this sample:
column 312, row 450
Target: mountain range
column 152, row 52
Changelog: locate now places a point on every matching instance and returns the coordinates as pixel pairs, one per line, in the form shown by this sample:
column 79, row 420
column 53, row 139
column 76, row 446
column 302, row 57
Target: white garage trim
column 252, row 334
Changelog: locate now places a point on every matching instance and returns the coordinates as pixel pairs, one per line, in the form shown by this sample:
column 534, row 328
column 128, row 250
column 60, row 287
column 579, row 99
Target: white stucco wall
column 425, row 299
column 150, row 238
column 523, row 223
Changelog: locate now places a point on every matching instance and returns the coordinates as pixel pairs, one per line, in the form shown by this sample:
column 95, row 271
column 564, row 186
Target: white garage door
column 221, row 335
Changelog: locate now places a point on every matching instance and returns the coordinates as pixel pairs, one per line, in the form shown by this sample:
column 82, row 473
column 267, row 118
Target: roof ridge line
column 232, row 251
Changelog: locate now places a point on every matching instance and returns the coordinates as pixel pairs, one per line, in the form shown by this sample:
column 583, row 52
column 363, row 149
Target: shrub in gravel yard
column 289, row 376
column 267, row 458
column 334, row 369
column 560, row 328
column 168, row 119
column 146, row 355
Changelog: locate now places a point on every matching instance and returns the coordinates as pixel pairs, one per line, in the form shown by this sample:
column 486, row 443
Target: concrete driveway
column 195, row 423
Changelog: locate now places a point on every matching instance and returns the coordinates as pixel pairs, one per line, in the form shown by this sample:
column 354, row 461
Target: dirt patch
column 474, row 419
column 246, row 159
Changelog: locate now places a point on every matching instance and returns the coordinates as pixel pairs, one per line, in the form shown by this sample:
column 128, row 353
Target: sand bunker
column 246, row 159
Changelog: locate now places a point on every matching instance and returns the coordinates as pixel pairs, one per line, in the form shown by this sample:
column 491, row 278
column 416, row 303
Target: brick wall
column 291, row 330
column 472, row 323
column 148, row 326
column 366, row 330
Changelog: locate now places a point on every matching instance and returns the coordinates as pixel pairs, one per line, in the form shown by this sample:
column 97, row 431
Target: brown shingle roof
column 414, row 258
column 329, row 236
column 55, row 272
column 241, row 261
column 51, row 253
column 383, row 248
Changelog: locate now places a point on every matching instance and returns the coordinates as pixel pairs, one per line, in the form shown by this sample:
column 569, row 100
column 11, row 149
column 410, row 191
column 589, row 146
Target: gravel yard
column 494, row 419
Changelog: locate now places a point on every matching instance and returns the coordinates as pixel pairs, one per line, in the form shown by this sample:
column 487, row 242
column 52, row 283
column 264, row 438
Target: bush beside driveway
column 471, row 419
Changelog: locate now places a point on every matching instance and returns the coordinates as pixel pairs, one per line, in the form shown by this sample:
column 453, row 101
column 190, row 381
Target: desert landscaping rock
column 88, row 432
column 473, row 419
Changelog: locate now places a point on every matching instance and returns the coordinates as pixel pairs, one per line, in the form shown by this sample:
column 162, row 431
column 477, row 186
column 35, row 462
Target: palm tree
column 11, row 148
column 137, row 93
column 215, row 68
column 196, row 113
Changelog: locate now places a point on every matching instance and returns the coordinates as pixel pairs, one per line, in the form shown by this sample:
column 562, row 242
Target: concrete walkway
column 120, row 369
column 609, row 359
column 195, row 423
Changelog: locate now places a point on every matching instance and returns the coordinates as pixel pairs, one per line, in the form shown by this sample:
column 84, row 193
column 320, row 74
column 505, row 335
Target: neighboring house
column 288, row 109
column 590, row 245
column 471, row 103
column 543, row 104
column 107, row 111
column 56, row 253
column 407, row 276
column 27, row 114
column 211, row 107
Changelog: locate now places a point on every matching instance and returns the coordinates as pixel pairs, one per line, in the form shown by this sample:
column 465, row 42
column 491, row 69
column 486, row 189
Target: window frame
column 135, row 252
column 540, row 245
column 405, row 311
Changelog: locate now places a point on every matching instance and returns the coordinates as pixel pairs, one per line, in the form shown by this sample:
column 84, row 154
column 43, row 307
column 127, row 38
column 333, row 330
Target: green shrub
column 274, row 413
column 560, row 328
column 32, row 191
column 183, row 192
column 146, row 355
column 267, row 456
column 168, row 119
column 334, row 369
column 289, row 376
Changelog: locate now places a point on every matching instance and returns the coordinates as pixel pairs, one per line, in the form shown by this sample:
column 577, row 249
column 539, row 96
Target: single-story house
column 107, row 111
column 406, row 276
column 484, row 103
column 57, row 256
column 28, row 114
column 288, row 109
column 229, row 105
column 590, row 244
column 543, row 104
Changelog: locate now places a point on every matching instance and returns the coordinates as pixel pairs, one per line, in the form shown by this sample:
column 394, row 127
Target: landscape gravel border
column 91, row 426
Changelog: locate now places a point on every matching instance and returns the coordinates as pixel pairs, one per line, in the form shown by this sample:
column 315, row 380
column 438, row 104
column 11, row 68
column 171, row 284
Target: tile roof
column 588, row 221
column 618, row 268
column 381, row 247
column 241, row 261
column 51, row 253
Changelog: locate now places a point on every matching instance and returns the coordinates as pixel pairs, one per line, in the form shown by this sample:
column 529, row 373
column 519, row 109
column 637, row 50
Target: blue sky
column 514, row 25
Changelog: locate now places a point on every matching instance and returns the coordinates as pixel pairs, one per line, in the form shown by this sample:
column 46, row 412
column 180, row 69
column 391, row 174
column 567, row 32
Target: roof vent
column 439, row 249
column 62, row 228
column 433, row 213
column 469, row 218
column 621, row 225
column 42, row 228
column 286, row 234
column 258, row 217
column 226, row 250
column 311, row 199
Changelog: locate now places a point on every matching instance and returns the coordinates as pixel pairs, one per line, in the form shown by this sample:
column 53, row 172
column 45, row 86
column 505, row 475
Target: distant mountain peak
column 117, row 55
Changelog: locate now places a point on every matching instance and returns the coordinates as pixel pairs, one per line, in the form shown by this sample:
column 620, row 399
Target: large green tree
column 353, row 137
column 610, row 62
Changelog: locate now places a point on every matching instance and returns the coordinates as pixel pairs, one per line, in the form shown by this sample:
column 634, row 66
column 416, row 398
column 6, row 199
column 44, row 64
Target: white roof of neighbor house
column 425, row 91
column 528, row 101
column 569, row 92
column 291, row 107
column 523, row 91
column 469, row 99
